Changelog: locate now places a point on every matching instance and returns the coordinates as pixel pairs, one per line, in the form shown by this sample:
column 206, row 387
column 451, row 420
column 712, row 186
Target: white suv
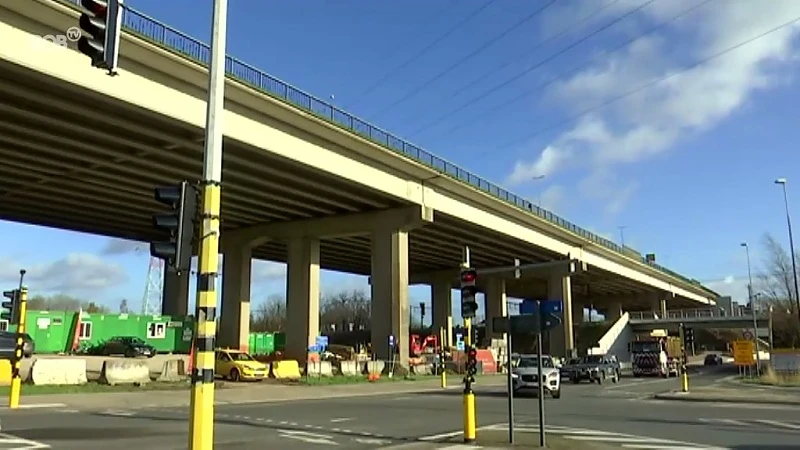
column 526, row 375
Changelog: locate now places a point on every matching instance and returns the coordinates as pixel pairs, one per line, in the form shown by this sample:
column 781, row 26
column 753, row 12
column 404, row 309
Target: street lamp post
column 622, row 235
column 782, row 182
column 752, row 306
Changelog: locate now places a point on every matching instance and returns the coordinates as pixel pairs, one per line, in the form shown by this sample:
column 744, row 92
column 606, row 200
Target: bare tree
column 63, row 302
column 269, row 315
column 339, row 310
column 776, row 286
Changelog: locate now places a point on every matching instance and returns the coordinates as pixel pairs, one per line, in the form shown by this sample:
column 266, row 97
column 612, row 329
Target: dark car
column 712, row 359
column 8, row 344
column 130, row 346
column 595, row 368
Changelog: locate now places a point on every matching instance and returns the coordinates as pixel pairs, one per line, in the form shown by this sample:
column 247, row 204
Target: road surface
column 616, row 414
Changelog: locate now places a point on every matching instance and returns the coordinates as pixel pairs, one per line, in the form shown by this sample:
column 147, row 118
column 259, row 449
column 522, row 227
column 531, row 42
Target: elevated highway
column 696, row 318
column 303, row 182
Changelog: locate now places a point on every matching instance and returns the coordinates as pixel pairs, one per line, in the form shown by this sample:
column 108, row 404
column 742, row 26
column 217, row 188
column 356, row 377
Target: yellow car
column 237, row 365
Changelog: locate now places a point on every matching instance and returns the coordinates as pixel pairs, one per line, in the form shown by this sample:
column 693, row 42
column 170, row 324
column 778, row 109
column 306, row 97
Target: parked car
column 569, row 367
column 130, row 346
column 237, row 365
column 526, row 375
column 8, row 344
column 712, row 359
column 595, row 368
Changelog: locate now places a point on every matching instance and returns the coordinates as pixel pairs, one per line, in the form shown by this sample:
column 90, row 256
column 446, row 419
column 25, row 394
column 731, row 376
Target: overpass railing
column 697, row 313
column 171, row 39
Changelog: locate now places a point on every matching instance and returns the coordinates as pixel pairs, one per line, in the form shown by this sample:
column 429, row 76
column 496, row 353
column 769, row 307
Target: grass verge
column 96, row 388
column 339, row 380
column 771, row 378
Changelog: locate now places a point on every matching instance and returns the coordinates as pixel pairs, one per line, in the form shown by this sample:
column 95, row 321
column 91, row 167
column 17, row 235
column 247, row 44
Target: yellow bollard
column 685, row 381
column 441, row 358
column 469, row 417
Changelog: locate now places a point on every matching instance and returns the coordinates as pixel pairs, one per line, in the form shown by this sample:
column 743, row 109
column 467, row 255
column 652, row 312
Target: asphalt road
column 616, row 414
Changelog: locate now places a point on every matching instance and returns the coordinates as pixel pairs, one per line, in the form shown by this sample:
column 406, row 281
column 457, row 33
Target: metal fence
column 696, row 313
column 173, row 40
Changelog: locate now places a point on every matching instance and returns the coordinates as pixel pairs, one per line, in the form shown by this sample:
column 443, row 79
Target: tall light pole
column 622, row 235
column 752, row 306
column 782, row 182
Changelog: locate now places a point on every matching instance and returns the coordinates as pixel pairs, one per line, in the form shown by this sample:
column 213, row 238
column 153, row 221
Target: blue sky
column 686, row 165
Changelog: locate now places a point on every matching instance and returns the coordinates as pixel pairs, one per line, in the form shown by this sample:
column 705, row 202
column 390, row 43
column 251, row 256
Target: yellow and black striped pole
column 201, row 427
column 16, row 376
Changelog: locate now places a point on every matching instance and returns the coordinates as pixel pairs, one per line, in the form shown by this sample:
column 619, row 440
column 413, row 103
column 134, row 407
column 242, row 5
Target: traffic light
column 11, row 306
column 469, row 306
column 101, row 30
column 688, row 337
column 472, row 365
column 422, row 309
column 180, row 223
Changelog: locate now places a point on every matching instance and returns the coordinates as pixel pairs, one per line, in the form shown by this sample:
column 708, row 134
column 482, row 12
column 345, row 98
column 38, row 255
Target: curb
column 723, row 399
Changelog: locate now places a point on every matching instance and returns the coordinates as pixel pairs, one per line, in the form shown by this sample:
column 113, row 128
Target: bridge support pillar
column 614, row 311
column 496, row 306
column 562, row 338
column 578, row 312
column 234, row 323
column 389, row 287
column 442, row 306
column 658, row 304
column 175, row 295
column 302, row 297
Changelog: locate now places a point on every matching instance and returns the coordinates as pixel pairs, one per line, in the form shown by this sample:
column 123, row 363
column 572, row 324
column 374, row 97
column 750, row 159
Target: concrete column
column 234, row 324
column 562, row 338
column 614, row 311
column 302, row 297
column 662, row 303
column 389, row 285
column 175, row 294
column 496, row 305
column 442, row 306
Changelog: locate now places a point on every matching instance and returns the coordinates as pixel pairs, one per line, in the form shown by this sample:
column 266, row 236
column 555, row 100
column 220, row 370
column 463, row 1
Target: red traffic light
column 473, row 353
column 468, row 276
column 98, row 8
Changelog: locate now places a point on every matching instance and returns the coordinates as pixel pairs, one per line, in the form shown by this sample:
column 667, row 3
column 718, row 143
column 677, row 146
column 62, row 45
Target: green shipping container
column 280, row 342
column 262, row 343
column 269, row 343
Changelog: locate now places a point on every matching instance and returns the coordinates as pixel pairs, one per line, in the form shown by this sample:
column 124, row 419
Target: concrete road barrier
column 374, row 367
column 128, row 371
column 349, row 368
column 422, row 369
column 173, row 370
column 5, row 372
column 285, row 370
column 58, row 371
column 319, row 368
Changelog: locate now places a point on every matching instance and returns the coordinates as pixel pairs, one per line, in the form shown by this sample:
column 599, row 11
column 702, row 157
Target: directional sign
column 527, row 307
column 747, row 335
column 314, row 348
column 743, row 353
column 552, row 307
column 460, row 346
column 322, row 342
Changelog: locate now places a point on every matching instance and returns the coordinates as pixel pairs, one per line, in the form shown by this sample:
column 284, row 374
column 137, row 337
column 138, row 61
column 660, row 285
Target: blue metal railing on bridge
column 171, row 39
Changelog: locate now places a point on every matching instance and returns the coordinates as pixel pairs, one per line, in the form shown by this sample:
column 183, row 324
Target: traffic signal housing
column 472, row 364
column 101, row 28
column 179, row 223
column 10, row 306
column 688, row 337
column 469, row 289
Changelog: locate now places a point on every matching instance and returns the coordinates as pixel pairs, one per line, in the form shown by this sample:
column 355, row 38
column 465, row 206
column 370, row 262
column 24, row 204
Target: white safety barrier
column 173, row 370
column 374, row 367
column 128, row 371
column 349, row 368
column 58, row 371
column 422, row 369
column 319, row 368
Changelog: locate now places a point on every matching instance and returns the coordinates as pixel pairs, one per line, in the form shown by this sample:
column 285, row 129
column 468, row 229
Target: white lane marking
column 341, row 419
column 15, row 440
column 734, row 422
column 776, row 423
column 436, row 437
column 305, row 436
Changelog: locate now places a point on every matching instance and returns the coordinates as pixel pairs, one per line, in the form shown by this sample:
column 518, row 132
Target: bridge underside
column 75, row 160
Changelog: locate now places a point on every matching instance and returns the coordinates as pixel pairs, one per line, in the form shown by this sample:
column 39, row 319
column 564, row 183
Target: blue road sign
column 460, row 346
column 322, row 342
column 314, row 348
column 551, row 307
column 527, row 307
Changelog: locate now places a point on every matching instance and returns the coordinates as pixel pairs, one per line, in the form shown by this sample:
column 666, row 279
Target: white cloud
column 604, row 187
column 268, row 271
column 116, row 246
column 730, row 285
column 553, row 198
column 77, row 273
column 653, row 120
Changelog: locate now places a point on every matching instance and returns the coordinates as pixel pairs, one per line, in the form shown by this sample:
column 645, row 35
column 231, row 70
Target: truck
column 656, row 356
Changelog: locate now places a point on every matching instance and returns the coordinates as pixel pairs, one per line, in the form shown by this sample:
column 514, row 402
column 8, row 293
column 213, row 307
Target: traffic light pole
column 469, row 395
column 540, row 384
column 16, row 376
column 201, row 425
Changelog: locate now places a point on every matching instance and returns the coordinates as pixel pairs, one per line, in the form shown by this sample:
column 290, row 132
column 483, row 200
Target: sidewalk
column 242, row 393
column 740, row 394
